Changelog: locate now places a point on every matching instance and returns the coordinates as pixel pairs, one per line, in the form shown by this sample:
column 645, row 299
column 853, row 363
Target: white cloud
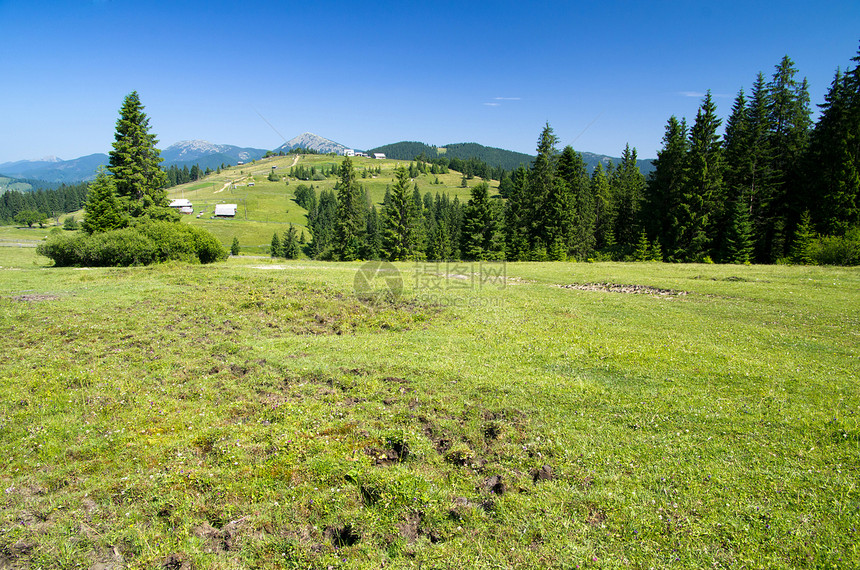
column 492, row 104
column 700, row 94
column 507, row 98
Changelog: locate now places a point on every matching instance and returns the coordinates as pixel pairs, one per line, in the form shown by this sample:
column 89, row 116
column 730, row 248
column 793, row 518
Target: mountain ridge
column 313, row 142
column 205, row 154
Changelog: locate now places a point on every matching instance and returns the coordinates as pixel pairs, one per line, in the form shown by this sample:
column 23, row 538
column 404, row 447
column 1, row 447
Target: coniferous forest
column 774, row 187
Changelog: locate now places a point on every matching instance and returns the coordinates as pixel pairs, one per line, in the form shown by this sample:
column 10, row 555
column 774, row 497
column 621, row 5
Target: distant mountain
column 591, row 160
column 312, row 142
column 53, row 169
column 208, row 155
column 495, row 157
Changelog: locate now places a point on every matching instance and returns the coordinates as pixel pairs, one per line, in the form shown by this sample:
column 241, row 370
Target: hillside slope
column 495, row 157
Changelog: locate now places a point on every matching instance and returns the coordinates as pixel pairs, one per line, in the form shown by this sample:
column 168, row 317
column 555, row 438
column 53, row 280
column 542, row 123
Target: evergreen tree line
column 48, row 202
column 767, row 189
column 301, row 172
column 177, row 176
column 345, row 225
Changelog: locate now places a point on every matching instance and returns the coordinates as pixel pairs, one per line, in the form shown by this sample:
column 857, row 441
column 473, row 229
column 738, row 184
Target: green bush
column 145, row 243
column 115, row 248
column 838, row 250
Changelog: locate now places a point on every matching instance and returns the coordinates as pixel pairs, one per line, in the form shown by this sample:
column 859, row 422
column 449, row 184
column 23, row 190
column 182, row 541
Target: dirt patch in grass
column 34, row 298
column 619, row 288
column 216, row 540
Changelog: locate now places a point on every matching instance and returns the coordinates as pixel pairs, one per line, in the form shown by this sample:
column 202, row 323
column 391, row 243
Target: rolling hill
column 495, row 157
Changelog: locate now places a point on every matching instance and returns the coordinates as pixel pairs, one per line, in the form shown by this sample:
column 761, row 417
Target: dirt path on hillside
column 229, row 182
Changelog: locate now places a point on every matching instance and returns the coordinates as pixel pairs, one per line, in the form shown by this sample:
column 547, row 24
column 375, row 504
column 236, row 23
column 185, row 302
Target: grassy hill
column 268, row 207
column 251, row 414
column 494, row 157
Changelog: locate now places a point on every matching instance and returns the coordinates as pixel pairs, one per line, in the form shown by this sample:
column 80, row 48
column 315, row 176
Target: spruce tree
column 572, row 169
column 643, row 248
column 541, row 187
column 627, row 191
column 666, row 184
column 290, row 244
column 134, row 160
column 398, row 220
column 480, row 237
column 515, row 216
column 103, row 210
column 276, row 245
column 234, row 247
column 373, row 235
column 833, row 158
column 350, row 214
column 788, row 137
column 803, row 244
column 739, row 239
column 704, row 190
column 604, row 218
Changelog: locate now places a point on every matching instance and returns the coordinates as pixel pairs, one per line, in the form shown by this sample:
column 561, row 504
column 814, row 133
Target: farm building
column 180, row 203
column 378, row 155
column 225, row 210
column 348, row 152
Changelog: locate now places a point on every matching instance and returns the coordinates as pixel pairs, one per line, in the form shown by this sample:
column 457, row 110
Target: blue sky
column 370, row 73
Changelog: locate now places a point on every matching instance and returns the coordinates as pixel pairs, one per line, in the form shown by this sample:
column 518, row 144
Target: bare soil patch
column 619, row 288
column 35, row 298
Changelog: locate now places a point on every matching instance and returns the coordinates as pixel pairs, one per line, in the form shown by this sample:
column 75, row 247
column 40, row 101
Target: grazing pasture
column 252, row 414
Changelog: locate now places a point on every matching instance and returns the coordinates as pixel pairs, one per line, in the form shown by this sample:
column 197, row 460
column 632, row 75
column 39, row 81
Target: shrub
column 145, row 243
column 838, row 250
column 115, row 248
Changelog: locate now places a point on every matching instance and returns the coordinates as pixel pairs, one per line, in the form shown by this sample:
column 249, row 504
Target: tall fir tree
column 351, row 211
column 516, row 216
column 398, row 220
column 373, row 235
column 573, row 171
column 481, row 238
column 788, row 137
column 539, row 219
column 704, row 191
column 604, row 212
column 628, row 189
column 833, row 158
column 322, row 223
column 666, row 185
column 134, row 160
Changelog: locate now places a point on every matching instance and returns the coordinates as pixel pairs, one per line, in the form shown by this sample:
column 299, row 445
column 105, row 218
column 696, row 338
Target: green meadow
column 257, row 414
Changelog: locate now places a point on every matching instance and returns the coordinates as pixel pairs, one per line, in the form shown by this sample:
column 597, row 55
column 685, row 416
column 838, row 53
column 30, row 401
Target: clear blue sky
column 370, row 73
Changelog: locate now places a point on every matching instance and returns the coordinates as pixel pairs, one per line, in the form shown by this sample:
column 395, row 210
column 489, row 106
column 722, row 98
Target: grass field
column 251, row 414
column 268, row 207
